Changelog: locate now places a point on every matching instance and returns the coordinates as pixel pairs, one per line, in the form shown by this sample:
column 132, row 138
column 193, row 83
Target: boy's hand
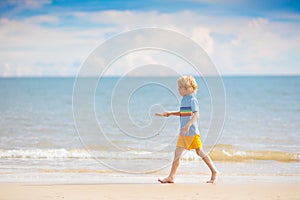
column 185, row 130
column 166, row 114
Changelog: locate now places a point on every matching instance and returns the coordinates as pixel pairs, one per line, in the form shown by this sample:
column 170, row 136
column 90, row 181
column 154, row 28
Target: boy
column 189, row 137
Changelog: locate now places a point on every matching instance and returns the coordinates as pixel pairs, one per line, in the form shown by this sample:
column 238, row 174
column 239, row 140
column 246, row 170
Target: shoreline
column 92, row 178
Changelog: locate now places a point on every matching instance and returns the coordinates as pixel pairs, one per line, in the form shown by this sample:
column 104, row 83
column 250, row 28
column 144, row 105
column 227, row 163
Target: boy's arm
column 175, row 113
column 167, row 114
column 185, row 129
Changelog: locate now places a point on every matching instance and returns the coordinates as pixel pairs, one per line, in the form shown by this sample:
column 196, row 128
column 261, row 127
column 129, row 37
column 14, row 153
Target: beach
column 259, row 190
column 160, row 100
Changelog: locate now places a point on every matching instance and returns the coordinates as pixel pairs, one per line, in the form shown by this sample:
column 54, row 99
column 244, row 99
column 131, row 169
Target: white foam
column 44, row 153
column 80, row 154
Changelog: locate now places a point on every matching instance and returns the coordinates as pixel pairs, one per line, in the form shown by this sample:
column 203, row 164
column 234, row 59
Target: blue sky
column 242, row 37
column 248, row 7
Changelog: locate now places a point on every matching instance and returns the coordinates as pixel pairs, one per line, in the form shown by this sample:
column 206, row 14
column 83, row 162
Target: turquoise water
column 38, row 136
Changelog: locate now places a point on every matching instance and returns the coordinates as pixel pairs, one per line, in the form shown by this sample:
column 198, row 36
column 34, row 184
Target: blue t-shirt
column 189, row 105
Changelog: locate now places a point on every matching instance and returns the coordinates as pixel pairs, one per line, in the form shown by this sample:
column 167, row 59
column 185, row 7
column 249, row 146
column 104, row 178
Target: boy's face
column 182, row 90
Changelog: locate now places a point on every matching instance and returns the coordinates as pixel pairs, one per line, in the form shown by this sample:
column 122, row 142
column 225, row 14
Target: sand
column 261, row 191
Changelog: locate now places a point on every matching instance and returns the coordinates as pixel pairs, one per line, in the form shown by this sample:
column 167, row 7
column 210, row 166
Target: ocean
column 43, row 140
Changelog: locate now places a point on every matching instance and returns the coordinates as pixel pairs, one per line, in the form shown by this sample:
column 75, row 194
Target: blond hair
column 189, row 83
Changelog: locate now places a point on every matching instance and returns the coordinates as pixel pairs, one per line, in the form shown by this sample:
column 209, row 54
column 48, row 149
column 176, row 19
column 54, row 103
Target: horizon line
column 117, row 76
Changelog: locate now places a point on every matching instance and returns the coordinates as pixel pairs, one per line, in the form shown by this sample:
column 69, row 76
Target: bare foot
column 166, row 180
column 213, row 177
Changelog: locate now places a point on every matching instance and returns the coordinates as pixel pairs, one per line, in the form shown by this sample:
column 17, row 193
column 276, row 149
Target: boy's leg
column 175, row 165
column 210, row 164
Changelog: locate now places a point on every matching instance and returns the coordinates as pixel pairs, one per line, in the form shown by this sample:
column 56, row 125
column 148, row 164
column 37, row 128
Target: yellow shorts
column 189, row 142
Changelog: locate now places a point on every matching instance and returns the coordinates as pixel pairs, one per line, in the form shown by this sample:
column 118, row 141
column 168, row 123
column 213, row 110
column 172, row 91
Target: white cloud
column 256, row 46
column 26, row 44
column 236, row 45
column 203, row 37
column 6, row 70
column 148, row 60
